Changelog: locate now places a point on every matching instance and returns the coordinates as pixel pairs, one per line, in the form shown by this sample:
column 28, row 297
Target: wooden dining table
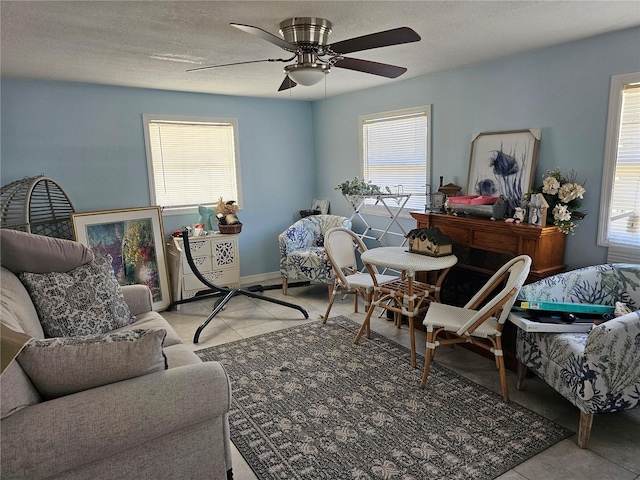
column 405, row 296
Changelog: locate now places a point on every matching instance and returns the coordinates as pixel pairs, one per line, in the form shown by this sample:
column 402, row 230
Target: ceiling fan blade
column 367, row 66
column 241, row 63
column 269, row 37
column 287, row 84
column 387, row 38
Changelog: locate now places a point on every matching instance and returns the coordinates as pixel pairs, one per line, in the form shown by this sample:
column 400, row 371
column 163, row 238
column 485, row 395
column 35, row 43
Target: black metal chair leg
column 220, row 303
column 228, row 292
column 251, row 294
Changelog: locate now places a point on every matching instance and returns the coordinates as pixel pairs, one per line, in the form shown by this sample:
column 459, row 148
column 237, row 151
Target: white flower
column 550, row 186
column 561, row 213
column 570, row 191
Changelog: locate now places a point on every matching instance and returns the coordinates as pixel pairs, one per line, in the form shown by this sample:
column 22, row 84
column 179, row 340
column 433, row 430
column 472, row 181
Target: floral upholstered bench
column 598, row 371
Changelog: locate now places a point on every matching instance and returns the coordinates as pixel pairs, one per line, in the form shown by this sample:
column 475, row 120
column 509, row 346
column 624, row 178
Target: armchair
column 302, row 253
column 598, row 371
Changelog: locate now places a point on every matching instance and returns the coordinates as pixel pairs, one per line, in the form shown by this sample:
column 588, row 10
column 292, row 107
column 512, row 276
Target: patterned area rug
column 309, row 404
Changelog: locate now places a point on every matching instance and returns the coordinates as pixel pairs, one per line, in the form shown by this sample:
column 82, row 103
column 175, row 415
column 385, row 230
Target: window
column 191, row 161
column 619, row 226
column 395, row 151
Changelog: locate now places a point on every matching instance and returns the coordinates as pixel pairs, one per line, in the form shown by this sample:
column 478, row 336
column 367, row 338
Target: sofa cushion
column 62, row 366
column 599, row 284
column 11, row 343
column 26, row 252
column 180, row 355
column 16, row 308
column 83, row 301
column 155, row 321
column 16, row 390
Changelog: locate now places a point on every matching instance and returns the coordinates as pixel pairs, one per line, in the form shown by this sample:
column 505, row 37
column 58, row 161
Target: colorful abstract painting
column 134, row 239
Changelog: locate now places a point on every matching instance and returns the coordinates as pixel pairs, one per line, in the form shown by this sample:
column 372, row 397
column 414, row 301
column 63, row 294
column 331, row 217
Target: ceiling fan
column 306, row 38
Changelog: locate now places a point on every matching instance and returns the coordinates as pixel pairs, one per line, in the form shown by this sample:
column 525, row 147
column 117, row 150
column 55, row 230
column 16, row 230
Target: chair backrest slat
column 515, row 272
column 340, row 245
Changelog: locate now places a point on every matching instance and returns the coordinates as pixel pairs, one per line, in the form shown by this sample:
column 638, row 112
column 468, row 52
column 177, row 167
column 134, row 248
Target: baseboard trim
column 269, row 278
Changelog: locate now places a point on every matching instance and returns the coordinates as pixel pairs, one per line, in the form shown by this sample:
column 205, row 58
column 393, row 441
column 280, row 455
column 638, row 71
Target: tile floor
column 614, row 446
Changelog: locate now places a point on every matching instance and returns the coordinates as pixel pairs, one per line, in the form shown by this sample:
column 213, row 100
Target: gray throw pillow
column 83, row 301
column 62, row 366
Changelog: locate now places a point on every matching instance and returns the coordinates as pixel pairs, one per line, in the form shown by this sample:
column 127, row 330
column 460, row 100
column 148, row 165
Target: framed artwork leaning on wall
column 503, row 163
column 134, row 238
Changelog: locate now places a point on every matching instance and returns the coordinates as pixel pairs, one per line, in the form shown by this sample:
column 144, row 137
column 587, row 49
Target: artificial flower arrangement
column 564, row 196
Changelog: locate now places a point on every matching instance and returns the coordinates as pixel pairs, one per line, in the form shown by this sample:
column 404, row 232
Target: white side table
column 217, row 258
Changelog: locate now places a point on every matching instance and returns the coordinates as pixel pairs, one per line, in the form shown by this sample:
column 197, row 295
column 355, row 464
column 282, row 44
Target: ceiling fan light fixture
column 306, row 74
column 306, row 30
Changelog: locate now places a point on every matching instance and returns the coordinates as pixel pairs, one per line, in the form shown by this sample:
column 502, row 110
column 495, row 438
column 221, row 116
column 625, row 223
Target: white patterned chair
column 302, row 253
column 598, row 371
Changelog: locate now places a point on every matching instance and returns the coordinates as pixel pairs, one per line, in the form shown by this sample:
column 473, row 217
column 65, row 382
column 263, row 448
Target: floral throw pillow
column 83, row 301
column 62, row 366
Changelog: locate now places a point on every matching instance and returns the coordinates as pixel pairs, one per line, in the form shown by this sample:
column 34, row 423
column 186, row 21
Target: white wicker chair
column 341, row 245
column 477, row 322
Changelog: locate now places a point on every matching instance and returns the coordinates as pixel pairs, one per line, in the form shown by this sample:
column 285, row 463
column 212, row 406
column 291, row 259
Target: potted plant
column 359, row 188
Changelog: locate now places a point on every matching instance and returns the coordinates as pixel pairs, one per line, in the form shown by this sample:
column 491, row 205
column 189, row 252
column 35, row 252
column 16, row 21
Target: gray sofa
column 170, row 424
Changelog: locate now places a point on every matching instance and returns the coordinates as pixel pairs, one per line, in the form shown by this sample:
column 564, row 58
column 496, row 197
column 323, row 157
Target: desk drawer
column 496, row 242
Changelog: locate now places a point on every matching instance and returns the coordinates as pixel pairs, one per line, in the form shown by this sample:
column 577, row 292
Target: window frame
column 389, row 114
column 611, row 158
column 185, row 119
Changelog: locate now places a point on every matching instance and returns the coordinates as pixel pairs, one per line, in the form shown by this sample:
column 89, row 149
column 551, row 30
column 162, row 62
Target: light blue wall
column 564, row 90
column 90, row 140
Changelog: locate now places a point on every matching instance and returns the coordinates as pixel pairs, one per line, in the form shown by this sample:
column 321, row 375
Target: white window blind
column 395, row 152
column 620, row 224
column 191, row 162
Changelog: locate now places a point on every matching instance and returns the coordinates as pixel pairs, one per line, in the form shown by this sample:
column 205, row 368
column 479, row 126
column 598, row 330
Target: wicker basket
column 36, row 205
column 229, row 229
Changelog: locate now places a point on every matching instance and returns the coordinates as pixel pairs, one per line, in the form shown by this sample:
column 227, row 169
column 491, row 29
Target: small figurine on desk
column 518, row 216
column 499, row 209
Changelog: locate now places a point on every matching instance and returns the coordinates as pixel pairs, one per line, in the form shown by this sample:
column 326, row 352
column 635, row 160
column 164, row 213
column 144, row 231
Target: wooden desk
column 545, row 245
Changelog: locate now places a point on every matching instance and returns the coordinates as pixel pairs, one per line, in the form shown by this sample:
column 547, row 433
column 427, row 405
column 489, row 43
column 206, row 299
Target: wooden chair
column 341, row 245
column 481, row 320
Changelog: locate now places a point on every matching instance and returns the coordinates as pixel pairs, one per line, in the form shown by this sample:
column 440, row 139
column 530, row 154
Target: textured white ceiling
column 151, row 44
